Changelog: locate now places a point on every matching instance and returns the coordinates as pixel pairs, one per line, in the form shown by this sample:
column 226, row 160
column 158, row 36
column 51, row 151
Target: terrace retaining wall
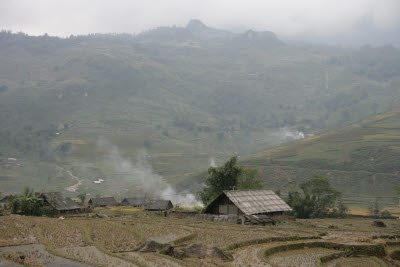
column 207, row 217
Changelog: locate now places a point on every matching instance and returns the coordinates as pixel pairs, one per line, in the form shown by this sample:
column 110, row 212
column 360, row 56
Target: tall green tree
column 229, row 176
column 374, row 208
column 316, row 199
column 249, row 179
column 82, row 197
column 219, row 179
column 29, row 204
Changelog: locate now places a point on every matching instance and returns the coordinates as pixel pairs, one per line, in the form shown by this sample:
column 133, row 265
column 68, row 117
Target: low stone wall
column 207, row 217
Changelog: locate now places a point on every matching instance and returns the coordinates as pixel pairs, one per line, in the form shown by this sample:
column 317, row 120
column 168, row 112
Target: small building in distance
column 103, row 202
column 4, row 202
column 134, row 202
column 60, row 203
column 7, row 198
column 159, row 205
column 248, row 202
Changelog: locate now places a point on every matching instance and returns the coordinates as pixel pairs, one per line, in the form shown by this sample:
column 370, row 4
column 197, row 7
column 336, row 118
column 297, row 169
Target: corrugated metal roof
column 257, row 201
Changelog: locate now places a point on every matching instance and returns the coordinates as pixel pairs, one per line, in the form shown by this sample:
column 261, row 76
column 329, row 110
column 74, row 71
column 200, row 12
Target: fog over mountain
column 189, row 82
column 354, row 22
column 184, row 94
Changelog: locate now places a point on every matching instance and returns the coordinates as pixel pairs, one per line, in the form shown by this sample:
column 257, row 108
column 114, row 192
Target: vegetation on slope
column 182, row 94
column 361, row 160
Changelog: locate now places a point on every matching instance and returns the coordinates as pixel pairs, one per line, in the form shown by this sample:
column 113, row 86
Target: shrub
column 386, row 214
column 316, row 198
column 395, row 255
column 29, row 204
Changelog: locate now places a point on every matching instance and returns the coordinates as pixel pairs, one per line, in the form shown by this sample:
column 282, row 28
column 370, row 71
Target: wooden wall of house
column 224, row 206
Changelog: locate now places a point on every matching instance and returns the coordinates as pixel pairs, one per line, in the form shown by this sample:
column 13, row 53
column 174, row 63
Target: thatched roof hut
column 5, row 199
column 159, row 205
column 248, row 202
column 134, row 202
column 59, row 202
column 103, row 202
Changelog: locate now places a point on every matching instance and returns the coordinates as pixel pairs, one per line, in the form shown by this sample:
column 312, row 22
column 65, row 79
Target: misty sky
column 340, row 21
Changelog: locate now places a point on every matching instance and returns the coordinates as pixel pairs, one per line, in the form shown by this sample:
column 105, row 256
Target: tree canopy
column 316, row 199
column 229, row 176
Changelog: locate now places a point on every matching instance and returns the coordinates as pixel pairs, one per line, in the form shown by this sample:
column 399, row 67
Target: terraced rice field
column 303, row 257
column 80, row 240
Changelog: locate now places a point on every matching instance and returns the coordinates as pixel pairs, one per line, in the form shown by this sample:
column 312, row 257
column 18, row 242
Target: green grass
column 361, row 160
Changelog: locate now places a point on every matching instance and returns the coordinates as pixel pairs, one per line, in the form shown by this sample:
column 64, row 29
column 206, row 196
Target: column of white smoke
column 153, row 184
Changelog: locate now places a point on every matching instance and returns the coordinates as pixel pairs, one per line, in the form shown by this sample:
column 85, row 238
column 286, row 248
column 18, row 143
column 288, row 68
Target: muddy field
column 115, row 240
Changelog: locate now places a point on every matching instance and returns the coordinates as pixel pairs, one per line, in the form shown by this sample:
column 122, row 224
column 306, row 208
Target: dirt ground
column 81, row 241
column 36, row 254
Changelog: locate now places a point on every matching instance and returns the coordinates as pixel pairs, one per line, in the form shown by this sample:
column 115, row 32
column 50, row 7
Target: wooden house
column 60, row 203
column 159, row 205
column 134, row 202
column 248, row 202
column 103, row 202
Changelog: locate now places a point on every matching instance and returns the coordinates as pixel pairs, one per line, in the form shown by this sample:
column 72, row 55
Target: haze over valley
column 180, row 95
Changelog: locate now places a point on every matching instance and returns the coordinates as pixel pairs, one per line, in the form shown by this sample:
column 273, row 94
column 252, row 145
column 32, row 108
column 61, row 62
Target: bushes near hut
column 29, row 203
column 316, row 199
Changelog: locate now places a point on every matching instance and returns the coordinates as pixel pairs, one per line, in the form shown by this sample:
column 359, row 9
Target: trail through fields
column 74, row 187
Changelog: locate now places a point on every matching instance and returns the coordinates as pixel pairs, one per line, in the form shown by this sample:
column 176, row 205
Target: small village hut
column 134, row 202
column 57, row 201
column 248, row 202
column 159, row 205
column 103, row 202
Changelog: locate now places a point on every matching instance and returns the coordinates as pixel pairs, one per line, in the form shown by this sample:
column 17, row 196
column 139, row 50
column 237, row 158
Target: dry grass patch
column 111, row 235
column 358, row 262
column 302, row 257
column 60, row 233
column 16, row 230
column 94, row 256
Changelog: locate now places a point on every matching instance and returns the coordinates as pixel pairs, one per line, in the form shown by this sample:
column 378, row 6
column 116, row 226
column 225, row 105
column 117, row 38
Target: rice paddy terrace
column 81, row 240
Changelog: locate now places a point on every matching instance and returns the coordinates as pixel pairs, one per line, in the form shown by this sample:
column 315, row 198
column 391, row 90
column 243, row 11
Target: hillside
column 361, row 159
column 83, row 108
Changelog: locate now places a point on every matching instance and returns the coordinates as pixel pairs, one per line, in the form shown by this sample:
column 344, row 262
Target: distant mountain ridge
column 198, row 31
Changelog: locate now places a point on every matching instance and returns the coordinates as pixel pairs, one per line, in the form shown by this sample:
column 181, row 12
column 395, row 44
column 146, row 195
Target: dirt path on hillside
column 74, row 187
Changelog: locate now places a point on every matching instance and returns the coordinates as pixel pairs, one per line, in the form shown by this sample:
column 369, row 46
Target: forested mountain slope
column 184, row 95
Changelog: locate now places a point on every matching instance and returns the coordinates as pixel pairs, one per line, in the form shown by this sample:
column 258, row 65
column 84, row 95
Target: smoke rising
column 285, row 134
column 152, row 184
column 212, row 162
